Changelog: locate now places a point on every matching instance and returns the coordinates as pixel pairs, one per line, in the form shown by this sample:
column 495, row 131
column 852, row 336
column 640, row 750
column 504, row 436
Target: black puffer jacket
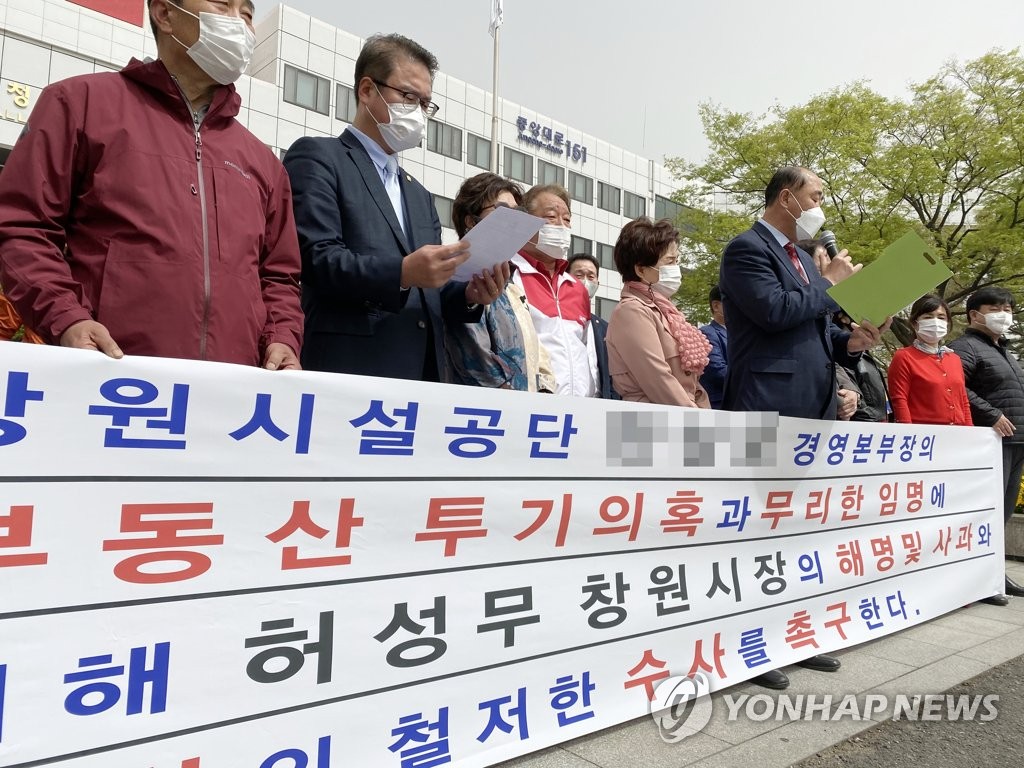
column 995, row 382
column 874, row 400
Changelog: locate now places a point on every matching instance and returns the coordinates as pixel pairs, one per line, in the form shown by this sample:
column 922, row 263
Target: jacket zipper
column 565, row 342
column 197, row 123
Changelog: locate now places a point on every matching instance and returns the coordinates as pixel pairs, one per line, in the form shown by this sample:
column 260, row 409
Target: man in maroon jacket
column 138, row 216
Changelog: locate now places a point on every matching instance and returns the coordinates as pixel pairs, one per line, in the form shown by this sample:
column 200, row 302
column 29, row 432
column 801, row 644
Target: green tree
column 947, row 162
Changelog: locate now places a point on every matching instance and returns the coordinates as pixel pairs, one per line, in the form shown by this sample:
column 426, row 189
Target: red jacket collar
column 561, row 266
column 153, row 75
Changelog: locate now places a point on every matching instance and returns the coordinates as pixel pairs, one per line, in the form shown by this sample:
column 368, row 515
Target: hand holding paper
column 866, row 335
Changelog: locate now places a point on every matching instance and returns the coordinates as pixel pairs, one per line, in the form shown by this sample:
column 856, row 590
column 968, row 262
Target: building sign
column 131, row 11
column 17, row 101
column 551, row 141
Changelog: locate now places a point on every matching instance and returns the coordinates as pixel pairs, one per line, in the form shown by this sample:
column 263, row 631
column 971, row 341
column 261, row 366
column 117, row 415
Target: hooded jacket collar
column 153, row 76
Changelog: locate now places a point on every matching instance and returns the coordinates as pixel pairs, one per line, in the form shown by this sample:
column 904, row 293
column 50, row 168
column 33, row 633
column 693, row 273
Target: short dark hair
column 550, row 189
column 993, row 294
column 715, row 294
column 788, row 177
column 928, row 303
column 587, row 257
column 380, row 52
column 641, row 243
column 478, row 192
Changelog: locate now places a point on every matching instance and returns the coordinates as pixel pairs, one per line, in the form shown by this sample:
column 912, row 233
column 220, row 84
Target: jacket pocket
column 773, row 365
column 150, row 306
column 240, row 218
column 348, row 323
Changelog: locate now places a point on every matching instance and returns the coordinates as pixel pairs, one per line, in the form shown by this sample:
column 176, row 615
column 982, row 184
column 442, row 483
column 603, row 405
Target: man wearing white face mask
column 995, row 386
column 377, row 284
column 140, row 217
column 782, row 343
column 586, row 269
column 559, row 303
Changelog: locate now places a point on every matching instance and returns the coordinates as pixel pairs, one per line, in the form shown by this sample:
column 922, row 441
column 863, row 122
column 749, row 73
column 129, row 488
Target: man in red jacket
column 138, row 216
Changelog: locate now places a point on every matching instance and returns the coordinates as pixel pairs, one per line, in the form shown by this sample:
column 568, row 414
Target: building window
column 307, row 90
column 444, row 139
column 444, row 210
column 608, row 197
column 581, row 188
column 666, row 209
column 478, row 151
column 581, row 245
column 633, row 206
column 606, row 256
column 345, row 103
column 518, row 166
column 548, row 173
column 605, row 307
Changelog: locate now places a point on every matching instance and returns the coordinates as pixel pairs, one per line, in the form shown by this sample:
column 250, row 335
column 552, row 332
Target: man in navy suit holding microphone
column 783, row 345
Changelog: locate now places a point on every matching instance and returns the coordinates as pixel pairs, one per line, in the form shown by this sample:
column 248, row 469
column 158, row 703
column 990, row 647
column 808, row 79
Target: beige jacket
column 643, row 357
column 540, row 376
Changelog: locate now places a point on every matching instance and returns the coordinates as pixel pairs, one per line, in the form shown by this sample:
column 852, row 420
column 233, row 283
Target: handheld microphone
column 828, row 239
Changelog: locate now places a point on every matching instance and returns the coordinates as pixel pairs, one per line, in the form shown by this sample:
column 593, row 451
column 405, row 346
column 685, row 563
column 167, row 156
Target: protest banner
column 212, row 566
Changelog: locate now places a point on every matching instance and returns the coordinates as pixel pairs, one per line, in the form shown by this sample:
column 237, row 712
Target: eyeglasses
column 413, row 98
column 494, row 205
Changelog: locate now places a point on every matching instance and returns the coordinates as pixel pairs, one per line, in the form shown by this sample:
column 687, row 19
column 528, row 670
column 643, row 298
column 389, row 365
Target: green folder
column 906, row 270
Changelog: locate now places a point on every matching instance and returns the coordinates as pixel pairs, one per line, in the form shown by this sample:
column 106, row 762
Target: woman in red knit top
column 926, row 379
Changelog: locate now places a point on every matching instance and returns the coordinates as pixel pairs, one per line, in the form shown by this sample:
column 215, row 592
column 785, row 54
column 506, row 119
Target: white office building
column 301, row 84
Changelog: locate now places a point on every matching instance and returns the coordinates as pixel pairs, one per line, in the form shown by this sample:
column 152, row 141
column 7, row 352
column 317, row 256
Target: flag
column 497, row 16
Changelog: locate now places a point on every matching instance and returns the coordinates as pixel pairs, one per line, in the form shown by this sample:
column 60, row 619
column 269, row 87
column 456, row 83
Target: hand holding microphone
column 864, row 335
column 838, row 266
column 828, row 239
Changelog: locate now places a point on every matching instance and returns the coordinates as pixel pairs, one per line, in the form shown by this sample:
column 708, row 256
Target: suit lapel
column 780, row 253
column 415, row 207
column 371, row 178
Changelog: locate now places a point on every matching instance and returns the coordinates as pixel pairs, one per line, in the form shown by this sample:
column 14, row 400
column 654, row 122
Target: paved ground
column 973, row 650
column 899, row 743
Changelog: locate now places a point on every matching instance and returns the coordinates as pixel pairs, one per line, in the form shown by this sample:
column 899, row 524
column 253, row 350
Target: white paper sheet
column 497, row 238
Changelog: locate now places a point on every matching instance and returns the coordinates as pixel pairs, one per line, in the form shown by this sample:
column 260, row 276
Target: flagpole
column 494, row 103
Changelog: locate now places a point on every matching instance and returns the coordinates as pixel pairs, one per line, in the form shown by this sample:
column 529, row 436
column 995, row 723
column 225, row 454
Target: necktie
column 393, row 189
column 791, row 250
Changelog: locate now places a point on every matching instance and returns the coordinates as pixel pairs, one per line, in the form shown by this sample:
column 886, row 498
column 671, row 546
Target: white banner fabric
column 211, row 566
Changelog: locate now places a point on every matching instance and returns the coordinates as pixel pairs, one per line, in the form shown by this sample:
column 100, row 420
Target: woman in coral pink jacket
column 654, row 354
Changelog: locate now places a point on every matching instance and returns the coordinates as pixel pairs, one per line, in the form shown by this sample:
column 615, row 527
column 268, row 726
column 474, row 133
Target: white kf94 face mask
column 931, row 330
column 406, row 128
column 554, row 240
column 999, row 322
column 224, row 47
column 808, row 222
column 670, row 277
